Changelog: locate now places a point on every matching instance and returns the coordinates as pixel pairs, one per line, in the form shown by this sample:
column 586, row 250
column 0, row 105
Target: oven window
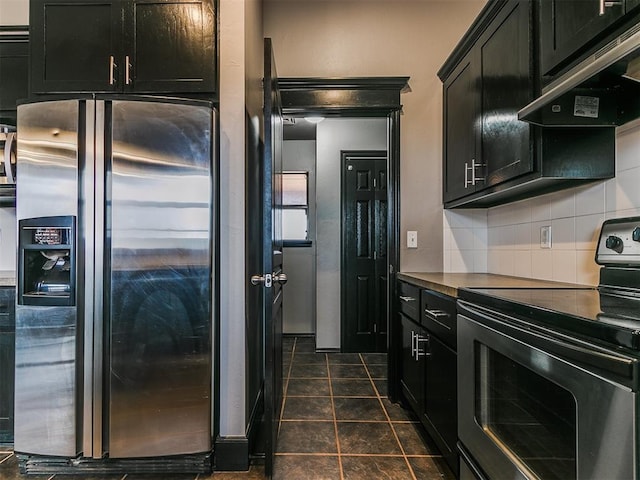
column 526, row 415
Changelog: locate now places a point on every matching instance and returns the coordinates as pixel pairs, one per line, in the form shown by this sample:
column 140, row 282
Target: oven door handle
column 622, row 368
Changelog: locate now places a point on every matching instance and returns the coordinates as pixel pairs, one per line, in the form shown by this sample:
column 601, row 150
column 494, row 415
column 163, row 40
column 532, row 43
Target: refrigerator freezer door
column 159, row 195
column 47, row 362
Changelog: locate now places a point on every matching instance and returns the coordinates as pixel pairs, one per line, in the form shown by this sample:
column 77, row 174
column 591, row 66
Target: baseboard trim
column 231, row 454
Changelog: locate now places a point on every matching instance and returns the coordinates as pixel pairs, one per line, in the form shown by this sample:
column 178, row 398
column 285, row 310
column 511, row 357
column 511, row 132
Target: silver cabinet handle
column 475, row 165
column 127, row 71
column 474, row 179
column 426, row 352
column 466, row 175
column 413, row 344
column 407, row 299
column 112, row 67
column 608, row 4
column 435, row 315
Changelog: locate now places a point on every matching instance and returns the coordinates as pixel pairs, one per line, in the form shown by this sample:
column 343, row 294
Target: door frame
column 346, row 155
column 363, row 97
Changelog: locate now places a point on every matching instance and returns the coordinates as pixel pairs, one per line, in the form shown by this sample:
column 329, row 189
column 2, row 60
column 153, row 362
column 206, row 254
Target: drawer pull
column 435, row 315
column 407, row 299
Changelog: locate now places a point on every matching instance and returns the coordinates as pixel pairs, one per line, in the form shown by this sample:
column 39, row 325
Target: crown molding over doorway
column 361, row 96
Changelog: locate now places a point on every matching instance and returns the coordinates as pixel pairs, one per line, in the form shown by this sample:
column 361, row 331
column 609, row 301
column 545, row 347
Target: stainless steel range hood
column 602, row 90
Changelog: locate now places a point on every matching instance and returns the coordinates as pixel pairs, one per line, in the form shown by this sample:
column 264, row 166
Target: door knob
column 261, row 280
column 281, row 278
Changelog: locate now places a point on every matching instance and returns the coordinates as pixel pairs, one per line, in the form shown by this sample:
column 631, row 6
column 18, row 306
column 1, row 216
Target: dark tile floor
column 336, row 425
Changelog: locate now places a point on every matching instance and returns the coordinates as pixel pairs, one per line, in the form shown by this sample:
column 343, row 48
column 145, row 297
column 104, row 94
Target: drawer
column 409, row 299
column 438, row 314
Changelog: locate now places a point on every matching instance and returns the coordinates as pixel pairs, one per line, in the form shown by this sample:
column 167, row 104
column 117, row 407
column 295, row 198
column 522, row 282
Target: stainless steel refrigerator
column 115, row 210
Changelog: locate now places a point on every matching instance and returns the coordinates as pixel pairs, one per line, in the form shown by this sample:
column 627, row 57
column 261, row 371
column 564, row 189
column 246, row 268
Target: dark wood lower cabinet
column 413, row 369
column 7, row 363
column 440, row 415
column 428, row 379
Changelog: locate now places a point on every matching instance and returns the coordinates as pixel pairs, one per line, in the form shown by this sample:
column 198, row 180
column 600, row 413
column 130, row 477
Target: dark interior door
column 272, row 277
column 364, row 251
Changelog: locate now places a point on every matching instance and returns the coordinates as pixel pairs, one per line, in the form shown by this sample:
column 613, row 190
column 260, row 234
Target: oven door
column 529, row 407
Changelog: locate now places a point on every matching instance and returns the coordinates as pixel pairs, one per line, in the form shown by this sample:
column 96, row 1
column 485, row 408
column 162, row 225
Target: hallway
column 336, row 425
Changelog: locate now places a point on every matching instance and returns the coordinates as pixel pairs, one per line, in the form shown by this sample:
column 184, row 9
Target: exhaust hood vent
column 601, row 91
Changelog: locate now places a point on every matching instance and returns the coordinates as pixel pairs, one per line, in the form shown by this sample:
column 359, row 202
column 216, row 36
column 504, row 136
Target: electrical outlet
column 545, row 236
column 412, row 239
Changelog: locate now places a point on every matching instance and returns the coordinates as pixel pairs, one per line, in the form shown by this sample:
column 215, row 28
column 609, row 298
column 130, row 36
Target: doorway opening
column 348, row 98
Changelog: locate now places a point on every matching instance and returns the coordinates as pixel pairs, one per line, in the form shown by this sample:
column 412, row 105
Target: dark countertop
column 449, row 283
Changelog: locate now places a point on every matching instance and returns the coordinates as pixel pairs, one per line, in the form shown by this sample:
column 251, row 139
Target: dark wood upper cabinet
column 14, row 71
column 506, row 65
column 570, row 29
column 491, row 157
column 137, row 46
column 171, row 45
column 461, row 109
column 485, row 144
column 566, row 26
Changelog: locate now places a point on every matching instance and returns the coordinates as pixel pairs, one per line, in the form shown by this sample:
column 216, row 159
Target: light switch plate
column 412, row 239
column 545, row 236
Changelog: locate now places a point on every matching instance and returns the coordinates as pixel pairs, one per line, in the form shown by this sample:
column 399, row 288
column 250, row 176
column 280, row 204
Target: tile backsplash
column 506, row 239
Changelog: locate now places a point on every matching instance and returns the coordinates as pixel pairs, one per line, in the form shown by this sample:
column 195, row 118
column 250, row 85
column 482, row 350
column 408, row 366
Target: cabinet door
column 14, row 74
column 412, row 376
column 505, row 52
column 568, row 26
column 170, row 46
column 461, row 112
column 629, row 5
column 7, row 363
column 74, row 46
column 440, row 399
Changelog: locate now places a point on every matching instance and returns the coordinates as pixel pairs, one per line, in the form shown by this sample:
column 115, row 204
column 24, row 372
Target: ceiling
column 297, row 128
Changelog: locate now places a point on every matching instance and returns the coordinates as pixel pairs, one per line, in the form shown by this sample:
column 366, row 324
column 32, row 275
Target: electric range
column 608, row 315
column 549, row 379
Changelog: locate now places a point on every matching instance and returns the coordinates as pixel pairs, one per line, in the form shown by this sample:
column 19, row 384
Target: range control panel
column 619, row 242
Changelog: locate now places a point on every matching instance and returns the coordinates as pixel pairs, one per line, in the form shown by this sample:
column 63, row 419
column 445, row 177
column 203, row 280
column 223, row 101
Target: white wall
column 333, row 136
column 344, row 38
column 240, row 66
column 575, row 217
column 8, row 239
column 299, row 311
column 14, row 12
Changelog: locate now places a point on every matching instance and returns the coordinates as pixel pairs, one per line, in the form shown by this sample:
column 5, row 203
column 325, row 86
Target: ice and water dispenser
column 47, row 253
